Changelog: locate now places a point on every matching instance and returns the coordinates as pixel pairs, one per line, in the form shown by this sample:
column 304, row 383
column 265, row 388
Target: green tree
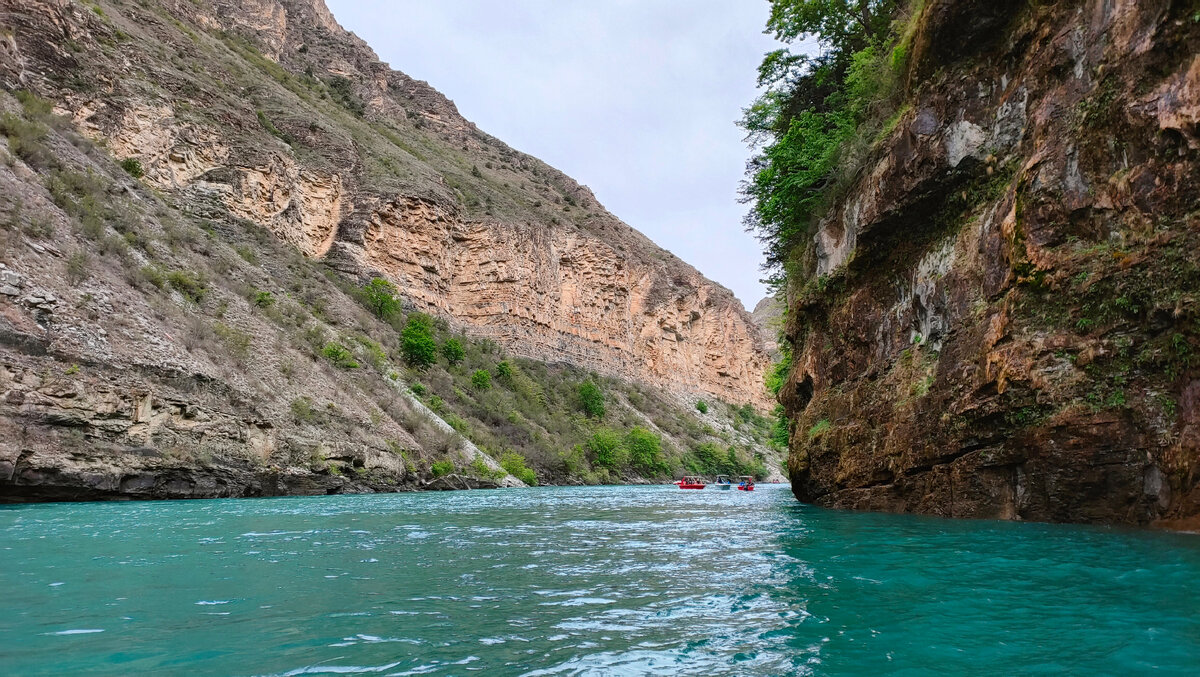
column 702, row 406
column 606, row 449
column 504, row 371
column 481, row 379
column 452, row 350
column 591, row 399
column 645, row 450
column 416, row 341
column 733, row 464
column 339, row 355
column 380, row 297
column 705, row 459
column 840, row 26
column 811, row 106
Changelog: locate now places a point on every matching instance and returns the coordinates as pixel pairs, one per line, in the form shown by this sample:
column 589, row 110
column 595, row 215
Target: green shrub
column 25, row 140
column 341, row 90
column 591, row 399
column 702, row 406
column 457, row 422
column 436, row 404
column 189, row 284
column 372, row 352
column 133, row 167
column 481, row 379
column 264, row 299
column 272, row 129
column 779, row 371
column 337, row 353
column 745, row 413
column 481, row 470
column 416, row 342
column 417, row 389
column 35, row 107
column 452, row 350
column 442, row 468
column 78, row 265
column 82, row 196
column 153, row 276
column 237, row 341
column 380, row 297
column 303, row 410
column 706, row 459
column 514, row 464
column 247, row 253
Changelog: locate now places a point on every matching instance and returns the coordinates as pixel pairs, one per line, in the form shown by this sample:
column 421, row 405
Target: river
column 598, row 580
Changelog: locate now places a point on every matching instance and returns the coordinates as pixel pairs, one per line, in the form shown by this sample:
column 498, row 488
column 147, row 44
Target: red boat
column 691, row 482
column 747, row 483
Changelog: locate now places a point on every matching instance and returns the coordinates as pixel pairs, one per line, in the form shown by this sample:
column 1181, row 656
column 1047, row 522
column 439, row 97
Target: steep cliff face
column 192, row 194
column 769, row 315
column 270, row 110
column 563, row 295
column 1003, row 314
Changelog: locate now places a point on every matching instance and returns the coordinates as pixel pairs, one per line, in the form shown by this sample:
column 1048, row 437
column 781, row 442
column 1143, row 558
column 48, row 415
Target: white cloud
column 635, row 98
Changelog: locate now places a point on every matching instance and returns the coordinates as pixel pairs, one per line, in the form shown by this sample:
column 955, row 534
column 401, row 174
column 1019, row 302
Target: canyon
column 195, row 193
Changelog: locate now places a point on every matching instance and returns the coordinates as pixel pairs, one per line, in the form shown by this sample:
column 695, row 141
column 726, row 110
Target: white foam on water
column 337, row 669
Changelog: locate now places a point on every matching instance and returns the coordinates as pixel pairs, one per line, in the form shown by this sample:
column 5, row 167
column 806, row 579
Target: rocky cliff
column 270, row 110
column 768, row 315
column 192, row 194
column 1001, row 316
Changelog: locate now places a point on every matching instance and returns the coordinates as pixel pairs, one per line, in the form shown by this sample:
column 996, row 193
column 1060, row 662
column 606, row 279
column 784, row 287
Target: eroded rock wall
column 1003, row 315
column 563, row 295
column 270, row 111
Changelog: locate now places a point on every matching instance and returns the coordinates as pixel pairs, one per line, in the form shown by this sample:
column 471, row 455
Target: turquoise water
column 604, row 580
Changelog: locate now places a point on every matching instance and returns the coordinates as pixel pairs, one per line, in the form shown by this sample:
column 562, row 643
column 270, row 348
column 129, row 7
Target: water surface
column 602, row 580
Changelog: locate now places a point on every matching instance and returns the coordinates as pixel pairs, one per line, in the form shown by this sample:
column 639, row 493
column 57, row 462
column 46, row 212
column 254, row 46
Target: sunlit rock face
column 1008, row 318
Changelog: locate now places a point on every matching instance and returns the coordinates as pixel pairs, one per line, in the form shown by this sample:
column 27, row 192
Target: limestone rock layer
column 269, row 111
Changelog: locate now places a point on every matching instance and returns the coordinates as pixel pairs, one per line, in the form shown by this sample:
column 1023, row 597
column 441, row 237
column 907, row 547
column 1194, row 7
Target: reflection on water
column 604, row 580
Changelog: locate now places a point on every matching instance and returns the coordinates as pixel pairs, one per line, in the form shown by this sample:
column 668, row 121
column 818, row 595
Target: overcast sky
column 636, row 99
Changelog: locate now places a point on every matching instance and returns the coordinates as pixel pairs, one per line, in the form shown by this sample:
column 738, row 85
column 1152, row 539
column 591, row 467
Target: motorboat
column 723, row 482
column 746, row 483
column 691, row 482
